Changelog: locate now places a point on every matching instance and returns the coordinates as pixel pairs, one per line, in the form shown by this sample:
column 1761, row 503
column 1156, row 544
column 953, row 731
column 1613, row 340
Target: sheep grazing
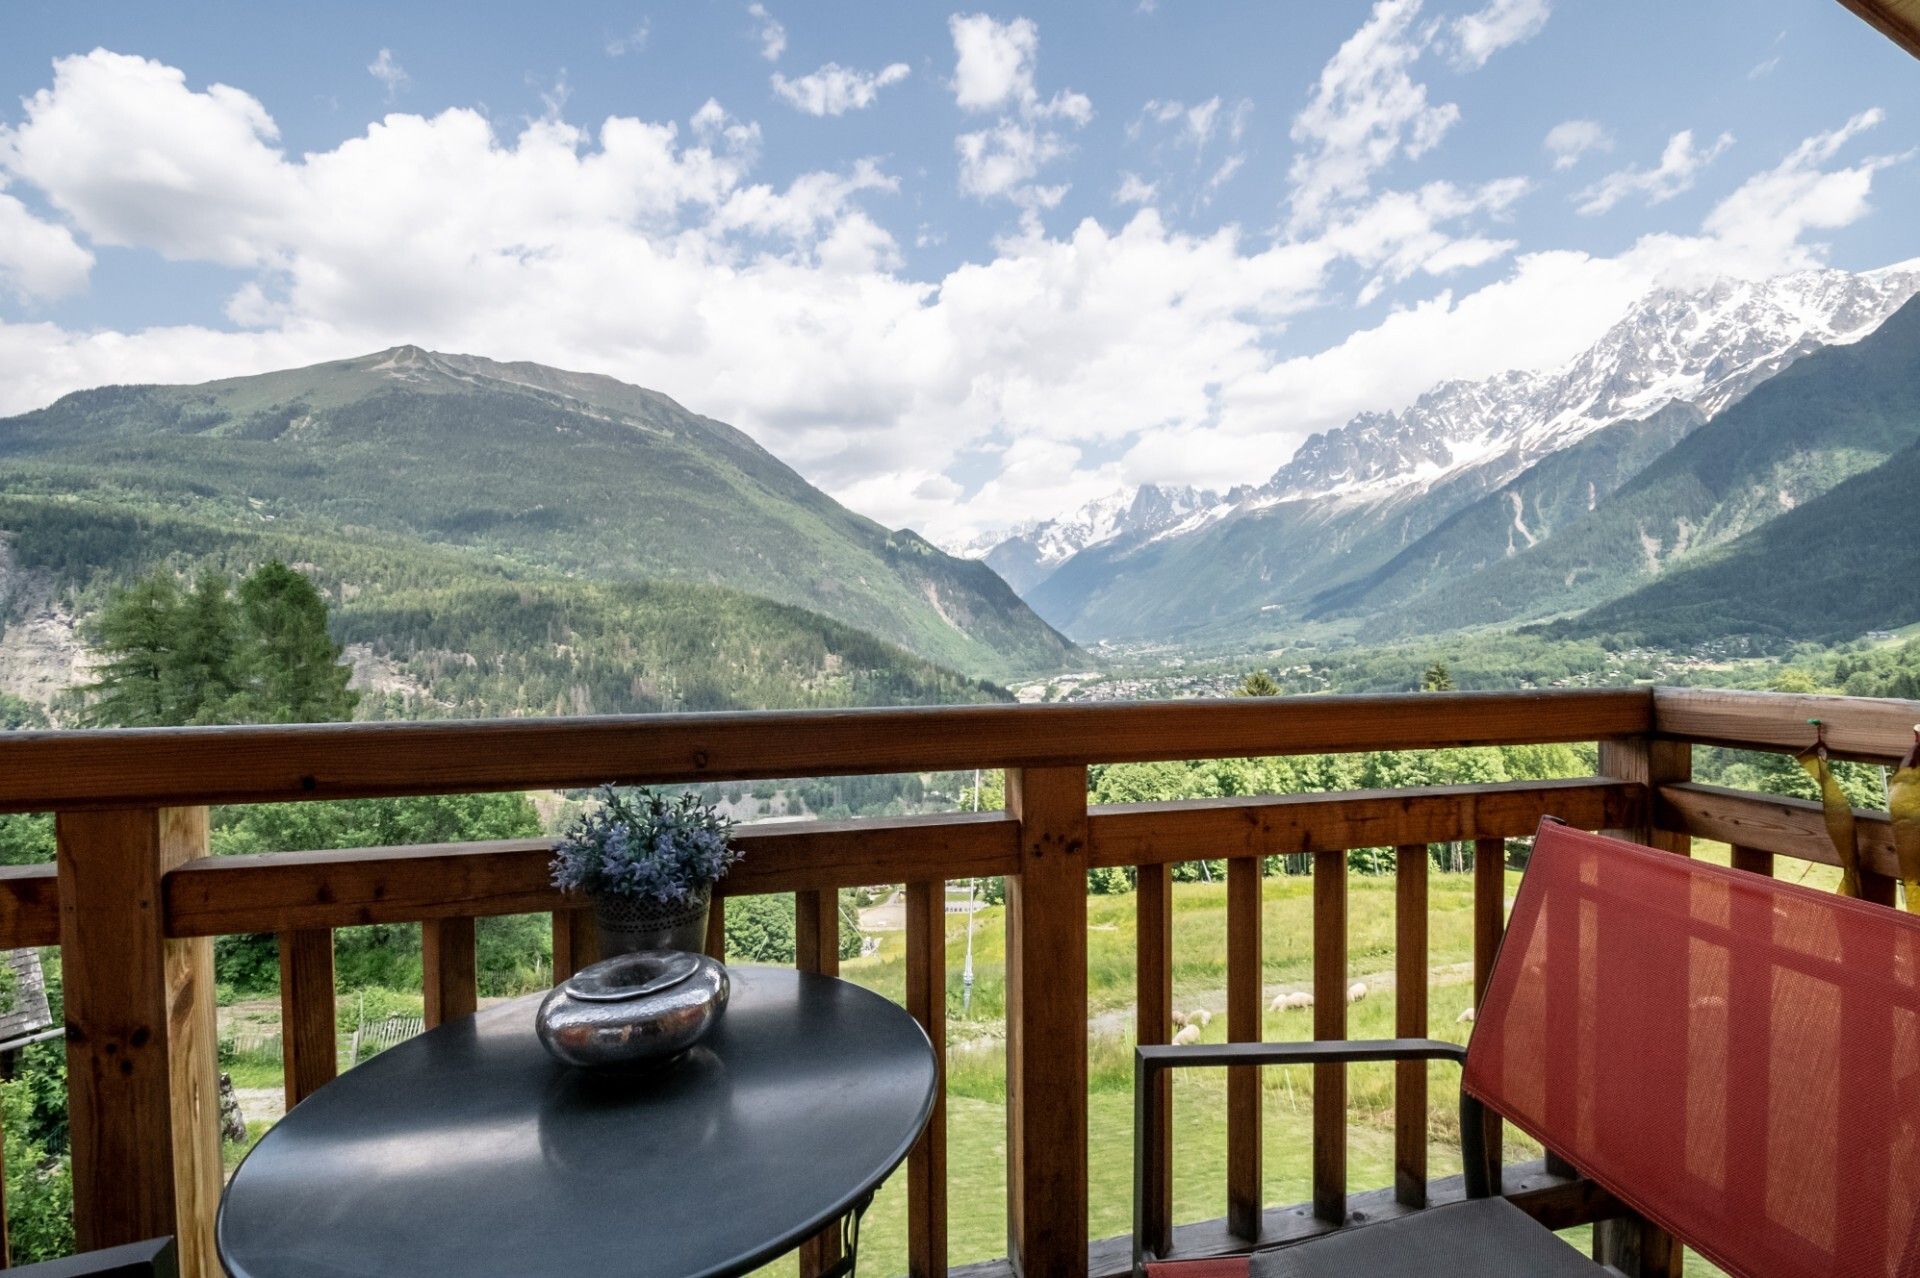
column 1356, row 991
column 1297, row 1001
column 1200, row 1016
column 1180, row 1018
column 1465, row 1017
column 1279, row 1003
column 1191, row 1034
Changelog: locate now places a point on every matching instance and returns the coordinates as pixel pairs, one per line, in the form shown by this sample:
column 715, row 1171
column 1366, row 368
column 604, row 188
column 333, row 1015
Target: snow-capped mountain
column 1706, row 347
column 1027, row 552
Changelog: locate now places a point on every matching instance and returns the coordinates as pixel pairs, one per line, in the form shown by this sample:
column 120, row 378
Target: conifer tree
column 291, row 666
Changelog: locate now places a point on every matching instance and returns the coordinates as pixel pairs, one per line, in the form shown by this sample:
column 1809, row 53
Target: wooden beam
column 1870, row 729
column 269, row 764
column 1771, row 823
column 1153, row 1023
column 927, row 1002
column 576, row 942
column 1897, row 20
column 1046, row 998
column 1410, row 981
column 1489, row 926
column 142, row 1096
column 816, row 948
column 1147, row 833
column 716, row 945
column 29, row 906
column 1330, row 974
column 449, row 970
column 309, row 1041
column 1245, row 1195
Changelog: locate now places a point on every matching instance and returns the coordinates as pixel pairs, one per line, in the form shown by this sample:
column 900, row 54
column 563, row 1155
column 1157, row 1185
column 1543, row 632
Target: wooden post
column 1244, row 972
column 142, row 1091
column 927, row 1001
column 576, row 942
column 309, row 1041
column 1330, row 1022
column 1047, row 1024
column 1489, row 925
column 816, row 948
column 716, row 947
column 1630, row 1244
column 1153, row 984
column 448, row 969
column 1410, row 1021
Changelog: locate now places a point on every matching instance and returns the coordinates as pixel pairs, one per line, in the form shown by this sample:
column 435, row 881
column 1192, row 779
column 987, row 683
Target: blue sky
column 959, row 266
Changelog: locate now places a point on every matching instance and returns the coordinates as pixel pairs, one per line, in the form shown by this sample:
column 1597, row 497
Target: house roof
column 29, row 1015
column 1898, row 20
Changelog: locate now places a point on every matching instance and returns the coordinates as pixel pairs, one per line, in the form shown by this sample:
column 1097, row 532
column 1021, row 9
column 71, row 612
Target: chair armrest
column 1152, row 1060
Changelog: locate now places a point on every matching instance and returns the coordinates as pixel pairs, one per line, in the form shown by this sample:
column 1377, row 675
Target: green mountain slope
column 1835, row 414
column 1556, row 492
column 437, row 632
column 534, row 468
column 1845, row 563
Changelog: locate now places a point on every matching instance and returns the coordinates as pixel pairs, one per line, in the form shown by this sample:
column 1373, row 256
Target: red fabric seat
column 1736, row 1058
column 1224, row 1267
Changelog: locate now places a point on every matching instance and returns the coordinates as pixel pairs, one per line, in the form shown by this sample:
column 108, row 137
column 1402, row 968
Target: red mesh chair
column 1735, row 1058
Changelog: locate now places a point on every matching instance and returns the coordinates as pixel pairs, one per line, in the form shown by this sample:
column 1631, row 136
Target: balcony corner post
column 142, row 1062
column 1046, row 999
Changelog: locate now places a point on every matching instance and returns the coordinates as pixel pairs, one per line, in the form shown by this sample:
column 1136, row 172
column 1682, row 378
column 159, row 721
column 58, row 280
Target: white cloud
column 1366, row 111
column 1763, row 68
column 1568, row 140
column 1476, row 37
column 389, row 73
column 38, row 260
column 1680, row 163
column 770, row 32
column 1134, row 189
column 650, row 251
column 836, row 90
column 994, row 66
column 633, row 41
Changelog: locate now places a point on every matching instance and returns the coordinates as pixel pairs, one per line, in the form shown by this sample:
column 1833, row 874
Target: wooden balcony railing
column 135, row 900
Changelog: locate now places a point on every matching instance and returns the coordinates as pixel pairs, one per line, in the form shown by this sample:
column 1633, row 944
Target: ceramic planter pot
column 627, row 926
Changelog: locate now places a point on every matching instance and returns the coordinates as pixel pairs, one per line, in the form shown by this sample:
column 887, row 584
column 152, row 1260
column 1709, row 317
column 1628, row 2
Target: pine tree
column 203, row 675
column 1437, row 678
column 136, row 633
column 1257, row 684
column 292, row 666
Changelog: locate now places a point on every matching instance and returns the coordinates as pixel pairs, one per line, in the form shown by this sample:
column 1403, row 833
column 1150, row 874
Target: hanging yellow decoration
column 1835, row 808
column 1903, row 804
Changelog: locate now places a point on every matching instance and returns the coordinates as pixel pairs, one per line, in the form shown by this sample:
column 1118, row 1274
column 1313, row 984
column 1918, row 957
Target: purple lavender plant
column 644, row 847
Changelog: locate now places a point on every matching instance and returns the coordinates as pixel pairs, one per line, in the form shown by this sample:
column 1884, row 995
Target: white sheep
column 1191, row 1034
column 1356, row 991
column 1200, row 1016
column 1279, row 1003
column 1465, row 1017
column 1180, row 1018
column 1297, row 1001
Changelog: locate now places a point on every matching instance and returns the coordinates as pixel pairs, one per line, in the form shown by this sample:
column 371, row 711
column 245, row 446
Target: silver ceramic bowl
column 633, row 1009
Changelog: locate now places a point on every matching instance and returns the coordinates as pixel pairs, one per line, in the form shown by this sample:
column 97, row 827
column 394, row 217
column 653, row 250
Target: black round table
column 469, row 1151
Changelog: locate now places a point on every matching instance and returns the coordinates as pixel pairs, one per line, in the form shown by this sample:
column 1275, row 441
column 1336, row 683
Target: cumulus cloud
column 1134, row 189
column 1680, row 163
column 769, row 30
column 1475, row 37
column 389, row 73
column 994, row 64
column 1571, row 139
column 836, row 90
column 1048, row 370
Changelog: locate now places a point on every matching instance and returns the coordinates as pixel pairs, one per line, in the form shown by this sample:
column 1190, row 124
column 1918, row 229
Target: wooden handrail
column 1870, row 729
column 43, row 771
column 1771, row 823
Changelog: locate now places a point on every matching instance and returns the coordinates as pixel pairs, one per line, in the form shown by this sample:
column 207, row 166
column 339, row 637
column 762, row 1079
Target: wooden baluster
column 816, row 948
column 927, row 1001
column 309, row 1039
column 1330, row 1022
column 449, row 970
column 1245, row 1198
column 1047, row 1024
column 1489, row 925
column 142, row 1092
column 1630, row 1244
column 1752, row 860
column 716, row 946
column 576, row 942
column 1410, row 1021
column 1153, row 984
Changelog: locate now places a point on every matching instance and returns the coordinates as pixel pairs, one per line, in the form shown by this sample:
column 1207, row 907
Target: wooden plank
column 1149, row 833
column 576, row 942
column 1752, row 860
column 1871, row 729
column 1330, row 974
column 1637, row 1248
column 816, row 948
column 1410, row 981
column 29, row 906
column 309, row 1042
column 716, row 944
column 283, row 891
column 143, row 1101
column 1489, row 925
column 449, row 970
column 1898, row 20
column 1245, row 1194
column 1153, row 1023
column 1772, row 824
column 275, row 763
column 927, row 1002
column 1046, row 998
